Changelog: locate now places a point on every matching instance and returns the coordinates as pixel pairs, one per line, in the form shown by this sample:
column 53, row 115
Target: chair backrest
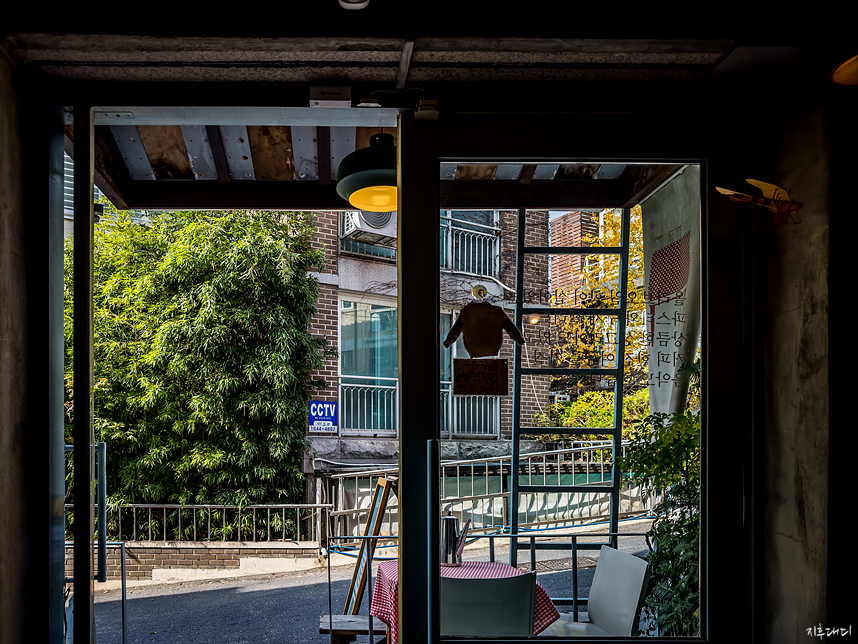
column 617, row 592
column 488, row 606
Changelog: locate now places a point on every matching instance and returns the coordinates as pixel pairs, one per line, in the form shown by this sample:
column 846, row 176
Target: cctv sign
column 323, row 416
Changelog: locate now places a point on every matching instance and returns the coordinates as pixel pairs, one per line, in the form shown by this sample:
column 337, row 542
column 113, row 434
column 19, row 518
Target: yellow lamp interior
column 374, row 198
column 846, row 73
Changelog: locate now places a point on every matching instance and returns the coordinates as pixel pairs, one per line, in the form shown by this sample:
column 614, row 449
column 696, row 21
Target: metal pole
column 124, row 623
column 574, row 578
column 516, row 400
column 419, row 375
column 101, row 451
column 433, row 485
column 620, row 355
column 84, row 152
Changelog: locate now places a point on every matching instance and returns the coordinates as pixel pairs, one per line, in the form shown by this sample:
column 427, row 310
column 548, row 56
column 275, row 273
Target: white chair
column 616, row 597
column 484, row 607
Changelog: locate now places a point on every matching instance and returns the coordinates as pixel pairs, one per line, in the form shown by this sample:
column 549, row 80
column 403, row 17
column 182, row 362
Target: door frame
column 422, row 145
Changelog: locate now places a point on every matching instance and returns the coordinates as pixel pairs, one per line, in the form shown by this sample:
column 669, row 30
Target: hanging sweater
column 481, row 325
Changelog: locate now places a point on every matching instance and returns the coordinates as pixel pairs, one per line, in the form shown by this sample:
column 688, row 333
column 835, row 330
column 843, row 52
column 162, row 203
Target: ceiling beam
column 323, row 143
column 312, row 195
column 297, row 116
column 537, row 194
column 111, row 177
column 218, row 155
column 237, row 195
column 527, row 173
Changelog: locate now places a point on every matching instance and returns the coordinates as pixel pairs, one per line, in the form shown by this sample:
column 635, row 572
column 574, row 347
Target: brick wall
column 144, row 557
column 326, row 324
column 570, row 230
column 535, row 292
column 327, row 238
column 326, row 321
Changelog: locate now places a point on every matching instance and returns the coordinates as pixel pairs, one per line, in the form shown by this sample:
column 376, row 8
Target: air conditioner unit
column 561, row 398
column 377, row 228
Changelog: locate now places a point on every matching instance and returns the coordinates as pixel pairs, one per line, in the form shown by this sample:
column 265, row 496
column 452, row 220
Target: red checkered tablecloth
column 384, row 594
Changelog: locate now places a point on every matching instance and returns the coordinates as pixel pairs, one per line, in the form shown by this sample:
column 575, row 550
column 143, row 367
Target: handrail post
column 124, row 600
column 574, row 578
column 101, row 456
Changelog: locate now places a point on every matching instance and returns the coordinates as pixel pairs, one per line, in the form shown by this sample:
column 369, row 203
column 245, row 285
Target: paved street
column 284, row 608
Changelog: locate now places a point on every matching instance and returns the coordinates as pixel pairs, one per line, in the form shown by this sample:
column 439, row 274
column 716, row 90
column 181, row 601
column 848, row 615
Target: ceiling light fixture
column 846, row 73
column 353, row 4
column 366, row 178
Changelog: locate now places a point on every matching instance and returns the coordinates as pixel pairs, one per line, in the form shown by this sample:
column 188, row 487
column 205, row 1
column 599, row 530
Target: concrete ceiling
column 465, row 73
column 421, row 60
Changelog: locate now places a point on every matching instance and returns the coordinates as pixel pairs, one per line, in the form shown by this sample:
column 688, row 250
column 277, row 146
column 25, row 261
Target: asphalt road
column 284, row 608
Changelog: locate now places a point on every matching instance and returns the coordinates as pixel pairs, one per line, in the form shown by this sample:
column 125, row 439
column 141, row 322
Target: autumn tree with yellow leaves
column 589, row 341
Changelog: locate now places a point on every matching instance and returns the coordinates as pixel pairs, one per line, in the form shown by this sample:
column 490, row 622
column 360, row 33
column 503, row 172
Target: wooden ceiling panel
column 474, row 172
column 271, row 149
column 577, row 171
column 166, row 150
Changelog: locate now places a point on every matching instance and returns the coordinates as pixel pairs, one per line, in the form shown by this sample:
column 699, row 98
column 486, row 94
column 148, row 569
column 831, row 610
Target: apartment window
column 368, row 369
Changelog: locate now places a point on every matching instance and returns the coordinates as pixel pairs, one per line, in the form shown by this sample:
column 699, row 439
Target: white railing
column 369, row 406
column 469, row 247
column 469, row 415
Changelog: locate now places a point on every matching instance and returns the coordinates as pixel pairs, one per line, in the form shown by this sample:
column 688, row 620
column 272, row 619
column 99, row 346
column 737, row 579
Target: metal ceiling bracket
column 405, row 61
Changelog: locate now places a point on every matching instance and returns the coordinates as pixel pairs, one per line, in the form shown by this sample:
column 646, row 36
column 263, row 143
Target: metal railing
column 174, row 522
column 469, row 415
column 369, row 406
column 478, row 489
column 469, row 247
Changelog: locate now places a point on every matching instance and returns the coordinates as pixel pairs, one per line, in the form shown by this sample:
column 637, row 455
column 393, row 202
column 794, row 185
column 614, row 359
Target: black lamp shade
column 367, row 177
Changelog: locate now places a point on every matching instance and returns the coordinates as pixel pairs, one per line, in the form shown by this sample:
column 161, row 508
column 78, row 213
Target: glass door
column 606, row 167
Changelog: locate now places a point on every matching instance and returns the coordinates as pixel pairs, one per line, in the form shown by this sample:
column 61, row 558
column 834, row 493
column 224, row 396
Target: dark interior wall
column 15, row 544
column 31, row 357
column 797, row 384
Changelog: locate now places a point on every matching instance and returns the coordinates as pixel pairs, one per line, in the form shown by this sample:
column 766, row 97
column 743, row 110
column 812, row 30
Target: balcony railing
column 370, row 407
column 469, row 415
column 468, row 247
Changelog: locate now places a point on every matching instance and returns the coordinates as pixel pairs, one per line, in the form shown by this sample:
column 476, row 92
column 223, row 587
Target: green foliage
column 664, row 456
column 593, row 409
column 202, row 354
column 664, row 450
column 673, row 601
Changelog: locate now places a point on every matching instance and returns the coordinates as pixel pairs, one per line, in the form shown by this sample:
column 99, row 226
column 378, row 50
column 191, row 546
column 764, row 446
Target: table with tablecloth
column 384, row 595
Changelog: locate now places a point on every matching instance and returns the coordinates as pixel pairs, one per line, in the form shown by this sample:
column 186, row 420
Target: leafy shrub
column 664, row 456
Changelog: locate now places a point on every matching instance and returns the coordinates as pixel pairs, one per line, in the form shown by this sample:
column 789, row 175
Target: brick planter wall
column 173, row 561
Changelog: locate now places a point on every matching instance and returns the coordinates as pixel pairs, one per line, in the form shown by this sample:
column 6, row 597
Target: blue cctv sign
column 323, row 416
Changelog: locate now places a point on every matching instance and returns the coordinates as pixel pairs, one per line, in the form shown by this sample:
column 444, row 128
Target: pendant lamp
column 367, row 177
column 846, row 73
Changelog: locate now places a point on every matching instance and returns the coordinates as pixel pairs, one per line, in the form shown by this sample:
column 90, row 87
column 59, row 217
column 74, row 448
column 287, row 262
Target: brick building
column 357, row 314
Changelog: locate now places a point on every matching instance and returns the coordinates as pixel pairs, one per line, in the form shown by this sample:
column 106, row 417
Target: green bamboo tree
column 202, row 354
